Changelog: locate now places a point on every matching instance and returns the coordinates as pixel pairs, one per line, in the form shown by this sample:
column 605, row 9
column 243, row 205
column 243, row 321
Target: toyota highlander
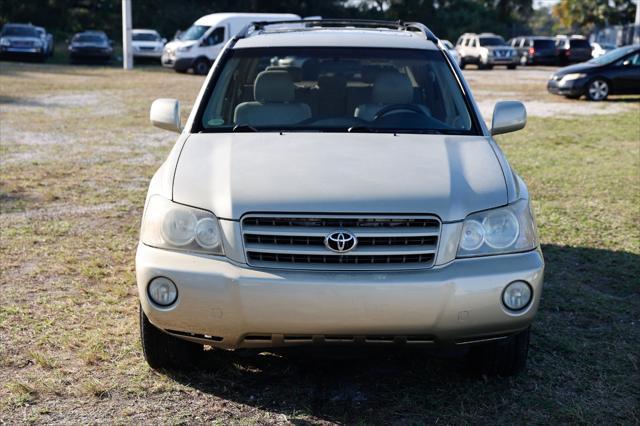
column 335, row 184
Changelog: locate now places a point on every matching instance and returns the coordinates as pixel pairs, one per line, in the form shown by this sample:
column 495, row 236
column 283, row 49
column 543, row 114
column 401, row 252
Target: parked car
column 363, row 201
column 21, row 40
column 572, row 49
column 199, row 46
column 485, row 50
column 599, row 49
column 617, row 72
column 451, row 49
column 90, row 46
column 147, row 43
column 47, row 40
column 535, row 50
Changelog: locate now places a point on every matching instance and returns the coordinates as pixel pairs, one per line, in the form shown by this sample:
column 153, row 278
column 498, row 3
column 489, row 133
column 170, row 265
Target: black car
column 535, row 50
column 21, row 41
column 90, row 46
column 617, row 72
column 572, row 49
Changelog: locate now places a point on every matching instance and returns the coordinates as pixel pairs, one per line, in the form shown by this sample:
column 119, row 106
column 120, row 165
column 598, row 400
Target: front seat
column 389, row 88
column 274, row 94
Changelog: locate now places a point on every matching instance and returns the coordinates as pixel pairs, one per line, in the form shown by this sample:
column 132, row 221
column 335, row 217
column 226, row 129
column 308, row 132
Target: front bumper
column 147, row 54
column 178, row 64
column 569, row 88
column 230, row 305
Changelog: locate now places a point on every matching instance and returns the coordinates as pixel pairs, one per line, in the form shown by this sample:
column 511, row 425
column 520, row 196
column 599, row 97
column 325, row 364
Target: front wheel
column 506, row 357
column 598, row 90
column 162, row 350
column 201, row 66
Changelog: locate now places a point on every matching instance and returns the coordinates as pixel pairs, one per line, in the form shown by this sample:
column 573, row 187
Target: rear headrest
column 274, row 86
column 392, row 88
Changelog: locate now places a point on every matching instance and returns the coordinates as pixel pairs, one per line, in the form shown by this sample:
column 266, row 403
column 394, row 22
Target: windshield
column 337, row 89
column 193, row 33
column 145, row 37
column 88, row 38
column 492, row 41
column 19, row 32
column 613, row 56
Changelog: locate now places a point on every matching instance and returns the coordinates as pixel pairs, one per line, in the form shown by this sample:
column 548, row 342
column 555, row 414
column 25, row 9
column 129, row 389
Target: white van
column 199, row 46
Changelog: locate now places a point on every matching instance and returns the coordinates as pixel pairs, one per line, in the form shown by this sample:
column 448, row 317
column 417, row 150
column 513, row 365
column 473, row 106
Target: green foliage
column 584, row 15
column 447, row 18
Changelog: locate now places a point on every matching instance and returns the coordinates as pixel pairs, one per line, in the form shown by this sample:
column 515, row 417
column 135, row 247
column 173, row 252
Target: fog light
column 162, row 291
column 517, row 295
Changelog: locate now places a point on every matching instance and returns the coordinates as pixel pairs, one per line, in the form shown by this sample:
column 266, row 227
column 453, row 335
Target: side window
column 459, row 42
column 633, row 60
column 216, row 37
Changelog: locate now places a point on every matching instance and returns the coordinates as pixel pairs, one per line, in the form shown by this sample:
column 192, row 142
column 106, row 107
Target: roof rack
column 336, row 23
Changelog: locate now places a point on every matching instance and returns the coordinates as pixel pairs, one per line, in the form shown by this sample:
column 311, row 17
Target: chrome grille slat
column 296, row 241
column 359, row 251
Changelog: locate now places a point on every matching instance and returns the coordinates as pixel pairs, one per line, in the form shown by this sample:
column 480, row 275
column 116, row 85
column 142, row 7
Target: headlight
column 174, row 226
column 37, row 43
column 517, row 295
column 184, row 48
column 162, row 291
column 5, row 42
column 504, row 230
column 573, row 76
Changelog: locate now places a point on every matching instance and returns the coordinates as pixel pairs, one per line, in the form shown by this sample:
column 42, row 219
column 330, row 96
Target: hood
column 22, row 38
column 233, row 174
column 577, row 68
column 154, row 44
column 174, row 44
column 493, row 48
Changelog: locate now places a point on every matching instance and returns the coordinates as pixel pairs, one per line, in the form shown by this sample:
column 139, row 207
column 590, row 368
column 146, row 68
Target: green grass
column 76, row 155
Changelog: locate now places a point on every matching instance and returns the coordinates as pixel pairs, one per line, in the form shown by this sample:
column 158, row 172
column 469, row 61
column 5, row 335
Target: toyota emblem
column 340, row 241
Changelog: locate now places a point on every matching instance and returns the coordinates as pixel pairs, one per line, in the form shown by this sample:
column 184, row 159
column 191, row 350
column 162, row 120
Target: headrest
column 274, row 86
column 392, row 88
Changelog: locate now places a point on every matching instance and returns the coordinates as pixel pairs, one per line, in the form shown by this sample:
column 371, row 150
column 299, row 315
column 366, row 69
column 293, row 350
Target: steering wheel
column 398, row 107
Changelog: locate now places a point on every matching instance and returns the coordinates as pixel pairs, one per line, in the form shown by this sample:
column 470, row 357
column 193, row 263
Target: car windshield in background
column 492, row 41
column 544, row 44
column 19, row 32
column 337, row 89
column 88, row 38
column 613, row 56
column 145, row 37
column 194, row 32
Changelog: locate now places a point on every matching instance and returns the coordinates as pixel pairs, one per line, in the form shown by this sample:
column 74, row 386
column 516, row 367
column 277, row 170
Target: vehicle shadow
column 386, row 386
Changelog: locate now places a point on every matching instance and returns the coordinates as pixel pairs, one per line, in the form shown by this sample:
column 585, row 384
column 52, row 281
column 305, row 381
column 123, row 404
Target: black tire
column 201, row 66
column 512, row 67
column 162, row 350
column 506, row 357
column 598, row 90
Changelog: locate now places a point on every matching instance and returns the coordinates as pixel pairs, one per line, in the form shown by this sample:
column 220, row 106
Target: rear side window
column 335, row 89
column 544, row 44
column 579, row 44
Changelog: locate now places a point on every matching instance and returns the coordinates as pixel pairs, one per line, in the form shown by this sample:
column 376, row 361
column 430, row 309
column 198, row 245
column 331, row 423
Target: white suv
column 336, row 184
column 486, row 50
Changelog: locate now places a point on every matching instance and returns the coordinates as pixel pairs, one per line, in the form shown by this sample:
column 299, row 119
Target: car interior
column 337, row 92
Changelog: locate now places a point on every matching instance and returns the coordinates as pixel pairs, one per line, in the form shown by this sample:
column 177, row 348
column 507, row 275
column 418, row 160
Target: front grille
column 297, row 241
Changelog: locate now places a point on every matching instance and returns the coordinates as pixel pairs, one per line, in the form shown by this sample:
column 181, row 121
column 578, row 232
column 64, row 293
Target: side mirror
column 164, row 41
column 508, row 116
column 165, row 114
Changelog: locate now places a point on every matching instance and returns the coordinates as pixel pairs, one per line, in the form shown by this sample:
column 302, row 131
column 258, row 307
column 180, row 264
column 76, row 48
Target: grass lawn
column 76, row 155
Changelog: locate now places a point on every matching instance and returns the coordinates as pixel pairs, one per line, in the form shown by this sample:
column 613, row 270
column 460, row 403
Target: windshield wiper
column 243, row 128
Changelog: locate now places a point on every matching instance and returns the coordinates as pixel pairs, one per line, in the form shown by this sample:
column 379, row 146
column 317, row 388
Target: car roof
column 92, row 32
column 338, row 37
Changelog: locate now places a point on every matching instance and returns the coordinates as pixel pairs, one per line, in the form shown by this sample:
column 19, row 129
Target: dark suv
column 534, row 50
column 572, row 49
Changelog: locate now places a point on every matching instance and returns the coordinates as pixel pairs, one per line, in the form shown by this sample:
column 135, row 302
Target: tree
column 584, row 15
